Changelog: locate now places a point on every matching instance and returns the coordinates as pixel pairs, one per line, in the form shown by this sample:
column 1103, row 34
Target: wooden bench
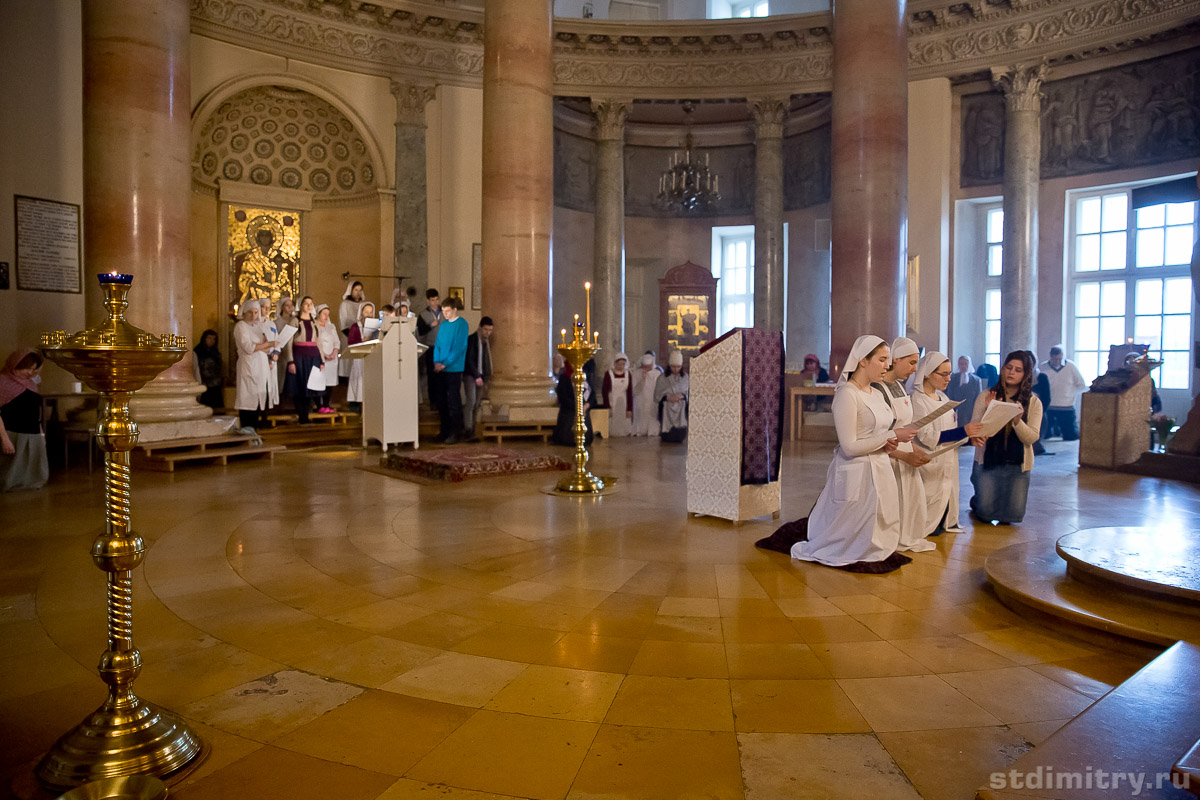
column 163, row 456
column 499, row 430
column 334, row 418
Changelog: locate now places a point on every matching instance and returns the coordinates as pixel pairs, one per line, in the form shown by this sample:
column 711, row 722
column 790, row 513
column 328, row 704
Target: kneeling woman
column 855, row 524
column 940, row 475
column 1002, row 462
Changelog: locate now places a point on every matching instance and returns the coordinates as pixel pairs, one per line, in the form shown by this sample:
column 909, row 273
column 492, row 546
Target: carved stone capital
column 768, row 115
column 610, row 117
column 411, row 99
column 1021, row 85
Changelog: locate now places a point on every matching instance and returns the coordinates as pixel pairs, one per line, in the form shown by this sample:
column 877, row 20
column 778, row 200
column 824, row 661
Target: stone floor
column 335, row 633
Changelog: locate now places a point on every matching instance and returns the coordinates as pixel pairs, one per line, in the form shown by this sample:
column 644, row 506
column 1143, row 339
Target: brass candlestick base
column 126, row 735
column 579, row 481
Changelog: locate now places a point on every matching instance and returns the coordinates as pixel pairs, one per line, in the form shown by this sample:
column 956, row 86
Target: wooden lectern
column 389, row 414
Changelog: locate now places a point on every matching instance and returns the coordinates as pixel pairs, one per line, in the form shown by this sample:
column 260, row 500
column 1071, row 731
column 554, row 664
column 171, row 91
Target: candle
column 114, row 277
column 596, row 337
column 587, row 288
column 563, row 333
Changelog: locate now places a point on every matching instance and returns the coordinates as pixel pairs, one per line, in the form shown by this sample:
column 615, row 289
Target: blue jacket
column 450, row 348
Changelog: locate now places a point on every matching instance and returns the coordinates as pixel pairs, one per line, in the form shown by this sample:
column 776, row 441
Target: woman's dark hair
column 30, row 361
column 873, row 352
column 202, row 348
column 350, row 296
column 300, row 305
column 453, row 302
column 1026, row 387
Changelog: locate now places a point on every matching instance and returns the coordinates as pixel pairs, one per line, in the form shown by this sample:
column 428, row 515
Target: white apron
column 619, row 423
column 253, row 368
column 857, row 516
column 269, row 332
column 645, row 410
column 354, row 392
column 347, row 316
column 674, row 414
column 911, row 485
column 940, row 475
column 329, row 340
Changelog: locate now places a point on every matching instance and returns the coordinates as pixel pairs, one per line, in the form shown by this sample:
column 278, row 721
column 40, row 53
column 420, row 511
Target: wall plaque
column 48, row 254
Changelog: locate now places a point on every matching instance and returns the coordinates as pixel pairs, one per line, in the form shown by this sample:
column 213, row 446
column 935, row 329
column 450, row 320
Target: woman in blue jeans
column 1003, row 461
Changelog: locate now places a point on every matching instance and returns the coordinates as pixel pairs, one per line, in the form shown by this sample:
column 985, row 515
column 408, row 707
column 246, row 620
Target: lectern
column 389, row 414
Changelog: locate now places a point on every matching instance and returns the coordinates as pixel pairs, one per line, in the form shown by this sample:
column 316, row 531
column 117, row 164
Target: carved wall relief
column 1136, row 115
column 574, row 172
column 806, row 164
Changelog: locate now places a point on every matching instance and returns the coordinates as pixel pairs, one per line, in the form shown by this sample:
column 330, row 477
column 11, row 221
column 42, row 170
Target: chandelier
column 688, row 186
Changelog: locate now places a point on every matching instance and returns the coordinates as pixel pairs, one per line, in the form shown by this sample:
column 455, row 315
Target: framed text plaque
column 49, row 258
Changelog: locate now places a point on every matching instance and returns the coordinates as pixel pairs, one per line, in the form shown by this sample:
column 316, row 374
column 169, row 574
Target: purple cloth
column 762, row 405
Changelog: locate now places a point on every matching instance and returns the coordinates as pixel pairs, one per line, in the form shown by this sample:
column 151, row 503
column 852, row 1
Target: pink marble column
column 137, row 178
column 518, row 197
column 869, row 170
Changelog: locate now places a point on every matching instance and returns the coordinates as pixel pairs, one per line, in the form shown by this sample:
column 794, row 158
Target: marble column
column 609, row 236
column 137, row 179
column 869, row 171
column 768, row 211
column 410, row 248
column 1022, row 88
column 518, row 198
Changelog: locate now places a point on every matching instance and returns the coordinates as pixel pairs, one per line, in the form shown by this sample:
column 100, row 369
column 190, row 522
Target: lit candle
column 587, row 288
column 563, row 333
column 596, row 337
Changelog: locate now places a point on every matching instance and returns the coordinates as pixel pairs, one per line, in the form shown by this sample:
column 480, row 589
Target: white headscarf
column 647, row 360
column 926, row 367
column 620, row 357
column 361, row 306
column 965, row 377
column 675, row 359
column 863, row 346
column 902, row 347
column 349, row 287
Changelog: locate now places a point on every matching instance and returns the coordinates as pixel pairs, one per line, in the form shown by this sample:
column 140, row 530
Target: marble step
column 1160, row 561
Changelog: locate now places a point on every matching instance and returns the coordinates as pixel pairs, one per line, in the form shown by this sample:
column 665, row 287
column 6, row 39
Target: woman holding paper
column 305, row 356
column 270, row 332
column 940, row 475
column 253, row 367
column 360, row 332
column 855, row 524
column 330, row 343
column 1011, row 416
column 906, row 461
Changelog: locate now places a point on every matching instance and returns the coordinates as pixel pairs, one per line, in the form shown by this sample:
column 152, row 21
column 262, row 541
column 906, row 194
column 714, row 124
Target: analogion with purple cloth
column 762, row 405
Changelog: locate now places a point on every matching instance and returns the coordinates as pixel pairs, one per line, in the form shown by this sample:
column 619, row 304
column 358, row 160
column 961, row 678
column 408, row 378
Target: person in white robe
column 906, row 460
column 617, row 393
column 856, row 519
column 253, row 367
column 359, row 332
column 671, row 394
column 645, row 409
column 270, row 331
column 941, row 475
column 330, row 342
column 347, row 316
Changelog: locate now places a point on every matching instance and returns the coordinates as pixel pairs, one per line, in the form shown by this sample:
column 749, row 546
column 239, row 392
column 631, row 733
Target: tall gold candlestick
column 587, row 288
column 126, row 735
column 579, row 480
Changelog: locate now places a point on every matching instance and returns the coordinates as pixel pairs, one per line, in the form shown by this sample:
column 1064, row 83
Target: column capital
column 610, row 116
column 411, row 99
column 1021, row 85
column 769, row 112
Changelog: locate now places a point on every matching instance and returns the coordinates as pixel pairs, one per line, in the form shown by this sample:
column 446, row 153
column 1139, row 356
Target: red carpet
column 457, row 464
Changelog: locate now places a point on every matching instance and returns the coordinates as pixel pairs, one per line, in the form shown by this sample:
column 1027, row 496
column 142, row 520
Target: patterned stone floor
column 335, row 633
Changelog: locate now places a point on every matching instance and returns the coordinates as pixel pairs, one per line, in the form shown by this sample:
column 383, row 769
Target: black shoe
column 451, row 440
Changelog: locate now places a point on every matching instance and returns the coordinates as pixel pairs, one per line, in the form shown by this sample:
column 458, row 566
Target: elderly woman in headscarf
column 253, row 367
column 617, row 394
column 330, row 343
column 645, row 408
column 23, row 462
column 671, row 393
column 207, row 369
column 906, row 461
column 964, row 385
column 359, row 332
column 940, row 476
column 855, row 524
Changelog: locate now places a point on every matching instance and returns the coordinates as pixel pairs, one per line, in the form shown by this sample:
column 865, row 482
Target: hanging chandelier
column 688, row 186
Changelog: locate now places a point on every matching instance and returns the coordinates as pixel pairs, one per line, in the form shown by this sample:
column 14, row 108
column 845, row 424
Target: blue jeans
column 1000, row 492
column 1062, row 421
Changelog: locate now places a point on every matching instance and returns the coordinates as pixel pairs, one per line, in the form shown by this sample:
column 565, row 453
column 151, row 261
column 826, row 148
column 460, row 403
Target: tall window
column 994, row 242
column 736, row 288
column 1131, row 279
column 749, row 8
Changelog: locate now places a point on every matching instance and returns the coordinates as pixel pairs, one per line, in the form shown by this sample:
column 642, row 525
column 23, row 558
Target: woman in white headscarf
column 253, row 367
column 270, row 332
column 645, row 409
column 855, row 524
column 330, row 344
column 671, row 393
column 906, row 461
column 347, row 316
column 940, row 476
column 359, row 332
column 617, row 394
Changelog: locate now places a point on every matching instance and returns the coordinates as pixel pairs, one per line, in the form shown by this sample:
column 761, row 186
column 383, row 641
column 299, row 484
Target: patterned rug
column 456, row 464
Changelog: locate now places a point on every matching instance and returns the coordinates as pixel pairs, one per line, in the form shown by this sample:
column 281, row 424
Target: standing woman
column 940, row 476
column 304, row 357
column 330, row 343
column 617, row 394
column 23, row 462
column 285, row 314
column 671, row 393
column 253, row 367
column 206, row 368
column 1002, row 462
column 906, row 461
column 347, row 316
column 855, row 524
column 359, row 333
column 271, row 333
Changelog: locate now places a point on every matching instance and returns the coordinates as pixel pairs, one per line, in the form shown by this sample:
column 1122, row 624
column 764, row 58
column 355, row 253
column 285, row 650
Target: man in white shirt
column 1066, row 383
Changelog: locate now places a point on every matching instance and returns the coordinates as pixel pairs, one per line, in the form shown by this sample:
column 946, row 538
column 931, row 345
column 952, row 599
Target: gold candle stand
column 126, row 735
column 577, row 353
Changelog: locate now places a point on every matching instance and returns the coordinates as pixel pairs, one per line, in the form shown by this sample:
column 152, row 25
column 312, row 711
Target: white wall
column 930, row 171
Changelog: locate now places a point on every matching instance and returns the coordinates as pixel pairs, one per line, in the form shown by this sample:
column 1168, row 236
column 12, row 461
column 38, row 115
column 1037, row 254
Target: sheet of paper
column 949, row 405
column 285, row 334
column 997, row 416
column 941, row 448
column 316, row 380
column 370, row 323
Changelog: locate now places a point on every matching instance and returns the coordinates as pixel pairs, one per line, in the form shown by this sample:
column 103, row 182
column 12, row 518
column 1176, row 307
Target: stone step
column 1158, row 561
column 166, row 461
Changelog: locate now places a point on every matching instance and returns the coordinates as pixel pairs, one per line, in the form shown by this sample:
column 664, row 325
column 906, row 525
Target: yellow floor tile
column 627, row 762
column 767, row 661
column 1018, row 694
column 916, row 703
column 558, row 693
column 978, row 752
column 458, row 678
column 794, row 706
column 680, row 660
column 817, row 767
column 274, row 774
column 683, row 703
column 866, row 660
column 602, row 653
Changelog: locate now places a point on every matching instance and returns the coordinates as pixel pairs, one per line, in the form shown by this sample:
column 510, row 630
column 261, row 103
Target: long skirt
column 1000, row 492
column 28, row 467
